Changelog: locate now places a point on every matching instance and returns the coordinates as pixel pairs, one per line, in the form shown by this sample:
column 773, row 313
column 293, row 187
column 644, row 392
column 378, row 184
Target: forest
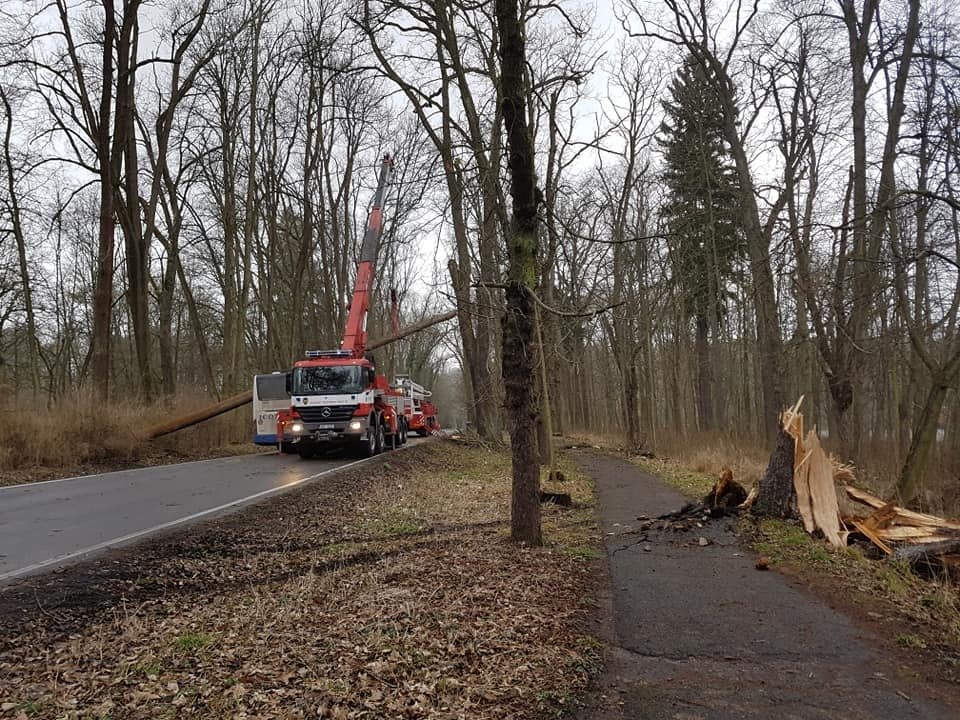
column 734, row 204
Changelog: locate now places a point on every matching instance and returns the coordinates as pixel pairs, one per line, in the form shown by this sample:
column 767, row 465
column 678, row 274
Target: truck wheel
column 368, row 446
column 403, row 431
column 381, row 441
column 306, row 453
column 423, row 432
column 288, row 448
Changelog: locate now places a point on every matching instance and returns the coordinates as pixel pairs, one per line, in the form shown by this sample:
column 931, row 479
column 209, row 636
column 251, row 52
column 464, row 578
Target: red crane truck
column 337, row 398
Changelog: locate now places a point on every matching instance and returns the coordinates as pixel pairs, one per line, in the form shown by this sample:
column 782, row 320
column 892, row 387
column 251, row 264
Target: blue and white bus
column 269, row 396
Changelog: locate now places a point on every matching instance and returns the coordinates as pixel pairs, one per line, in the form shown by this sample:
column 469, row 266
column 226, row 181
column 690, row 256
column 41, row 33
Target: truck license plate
column 326, row 426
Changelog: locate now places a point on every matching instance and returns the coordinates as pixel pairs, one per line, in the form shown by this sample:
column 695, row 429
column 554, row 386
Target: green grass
column 394, row 526
column 341, row 548
column 581, row 551
column 191, row 642
column 150, row 668
column 783, row 542
column 689, row 482
column 34, row 707
column 911, row 641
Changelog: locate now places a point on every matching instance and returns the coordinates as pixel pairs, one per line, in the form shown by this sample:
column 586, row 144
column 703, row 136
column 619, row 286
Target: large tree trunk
column 764, row 295
column 631, row 403
column 924, row 438
column 777, row 496
column 522, row 244
column 134, row 241
column 103, row 279
column 704, row 374
column 168, row 286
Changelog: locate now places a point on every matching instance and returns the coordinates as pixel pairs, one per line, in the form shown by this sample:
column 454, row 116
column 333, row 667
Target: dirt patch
column 390, row 591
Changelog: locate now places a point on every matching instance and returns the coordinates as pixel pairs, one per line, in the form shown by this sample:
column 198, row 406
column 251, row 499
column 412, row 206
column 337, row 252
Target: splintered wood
column 895, row 530
column 813, row 480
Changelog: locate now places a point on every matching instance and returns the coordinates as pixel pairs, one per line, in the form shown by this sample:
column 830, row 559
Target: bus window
column 272, row 387
column 269, row 396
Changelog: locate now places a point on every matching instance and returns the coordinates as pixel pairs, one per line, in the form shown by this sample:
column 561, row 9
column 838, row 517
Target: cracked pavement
column 699, row 633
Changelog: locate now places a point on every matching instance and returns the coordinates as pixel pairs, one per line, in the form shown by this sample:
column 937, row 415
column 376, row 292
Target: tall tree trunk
column 237, row 357
column 764, row 294
column 522, row 246
column 103, row 279
column 631, row 406
column 134, row 241
column 704, row 374
column 925, row 435
column 168, row 285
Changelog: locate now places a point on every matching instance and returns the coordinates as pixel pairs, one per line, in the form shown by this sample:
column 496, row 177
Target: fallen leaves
column 416, row 606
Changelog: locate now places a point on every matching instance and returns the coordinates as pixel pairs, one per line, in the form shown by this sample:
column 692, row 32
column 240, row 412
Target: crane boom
column 355, row 334
column 336, row 396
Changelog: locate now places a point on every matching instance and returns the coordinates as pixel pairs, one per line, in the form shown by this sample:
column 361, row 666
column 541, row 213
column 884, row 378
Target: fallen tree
column 803, row 481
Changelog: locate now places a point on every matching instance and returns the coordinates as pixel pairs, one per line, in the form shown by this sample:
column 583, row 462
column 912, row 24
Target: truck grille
column 338, row 413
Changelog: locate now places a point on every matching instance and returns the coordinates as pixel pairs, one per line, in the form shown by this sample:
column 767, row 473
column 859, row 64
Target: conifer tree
column 701, row 212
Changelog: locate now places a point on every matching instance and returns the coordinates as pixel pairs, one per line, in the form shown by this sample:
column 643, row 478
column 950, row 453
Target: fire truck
column 336, row 396
column 420, row 412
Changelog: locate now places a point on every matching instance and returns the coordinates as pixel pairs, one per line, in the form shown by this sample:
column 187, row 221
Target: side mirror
column 288, row 382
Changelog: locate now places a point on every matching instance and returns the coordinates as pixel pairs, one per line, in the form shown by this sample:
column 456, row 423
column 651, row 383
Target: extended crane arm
column 355, row 335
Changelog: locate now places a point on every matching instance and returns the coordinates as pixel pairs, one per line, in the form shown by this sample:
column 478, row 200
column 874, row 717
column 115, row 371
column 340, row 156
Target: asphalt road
column 45, row 525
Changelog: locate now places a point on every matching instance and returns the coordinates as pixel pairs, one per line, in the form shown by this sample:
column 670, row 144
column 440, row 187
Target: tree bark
column 704, row 375
column 522, row 247
column 924, row 439
column 129, row 200
column 777, row 496
column 103, row 280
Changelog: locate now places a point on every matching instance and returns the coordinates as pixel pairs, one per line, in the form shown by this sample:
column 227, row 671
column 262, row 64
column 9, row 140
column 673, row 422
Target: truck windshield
column 327, row 380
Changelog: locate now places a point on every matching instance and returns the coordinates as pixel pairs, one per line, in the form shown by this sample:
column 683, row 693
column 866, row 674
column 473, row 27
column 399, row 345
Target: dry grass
column 709, row 453
column 386, row 595
column 75, row 436
column 596, row 440
column 694, row 461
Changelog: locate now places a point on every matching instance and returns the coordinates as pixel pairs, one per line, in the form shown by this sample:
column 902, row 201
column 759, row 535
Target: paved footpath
column 700, row 634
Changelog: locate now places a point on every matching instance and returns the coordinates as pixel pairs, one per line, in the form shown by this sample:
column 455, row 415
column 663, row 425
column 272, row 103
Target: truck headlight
column 355, row 425
column 296, row 427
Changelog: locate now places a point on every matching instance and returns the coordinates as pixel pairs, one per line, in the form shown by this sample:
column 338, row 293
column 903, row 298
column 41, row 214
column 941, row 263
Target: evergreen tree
column 701, row 211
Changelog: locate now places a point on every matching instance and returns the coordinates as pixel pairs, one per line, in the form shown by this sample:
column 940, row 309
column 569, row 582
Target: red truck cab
column 338, row 400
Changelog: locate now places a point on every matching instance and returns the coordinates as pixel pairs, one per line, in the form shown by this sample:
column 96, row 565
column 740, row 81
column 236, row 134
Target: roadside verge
column 387, row 590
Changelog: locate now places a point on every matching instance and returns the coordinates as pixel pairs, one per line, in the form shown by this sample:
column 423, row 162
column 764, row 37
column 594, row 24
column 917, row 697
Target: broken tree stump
column 726, row 492
column 777, row 495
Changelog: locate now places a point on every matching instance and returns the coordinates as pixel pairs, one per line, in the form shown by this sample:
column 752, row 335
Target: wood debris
column 898, row 532
column 726, row 492
column 813, row 479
